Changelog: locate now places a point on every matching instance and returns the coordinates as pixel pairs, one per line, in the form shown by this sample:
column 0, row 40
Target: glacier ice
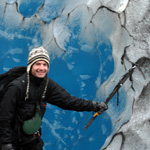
column 92, row 44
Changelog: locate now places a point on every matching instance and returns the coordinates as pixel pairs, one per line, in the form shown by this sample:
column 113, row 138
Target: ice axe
column 115, row 90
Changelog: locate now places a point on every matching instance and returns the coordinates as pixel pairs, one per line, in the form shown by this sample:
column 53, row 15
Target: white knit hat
column 36, row 54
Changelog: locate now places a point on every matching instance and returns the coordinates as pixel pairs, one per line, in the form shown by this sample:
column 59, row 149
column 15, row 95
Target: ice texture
column 92, row 44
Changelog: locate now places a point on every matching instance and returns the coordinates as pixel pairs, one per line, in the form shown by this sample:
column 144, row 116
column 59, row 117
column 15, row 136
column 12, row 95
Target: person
column 24, row 103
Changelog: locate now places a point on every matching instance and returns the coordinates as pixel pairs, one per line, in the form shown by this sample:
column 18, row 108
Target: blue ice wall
column 81, row 61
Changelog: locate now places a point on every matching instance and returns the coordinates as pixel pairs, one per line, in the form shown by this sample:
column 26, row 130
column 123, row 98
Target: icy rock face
column 92, row 44
column 133, row 135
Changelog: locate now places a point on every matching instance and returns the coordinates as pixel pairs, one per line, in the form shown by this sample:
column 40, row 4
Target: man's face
column 39, row 69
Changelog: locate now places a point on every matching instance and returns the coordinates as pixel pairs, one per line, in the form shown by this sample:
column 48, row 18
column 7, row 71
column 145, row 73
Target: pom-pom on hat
column 36, row 54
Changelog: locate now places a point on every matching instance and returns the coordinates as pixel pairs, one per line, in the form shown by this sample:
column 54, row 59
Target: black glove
column 99, row 107
column 7, row 147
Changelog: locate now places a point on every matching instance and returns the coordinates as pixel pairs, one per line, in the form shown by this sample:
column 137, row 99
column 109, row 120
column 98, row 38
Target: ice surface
column 10, row 1
column 92, row 44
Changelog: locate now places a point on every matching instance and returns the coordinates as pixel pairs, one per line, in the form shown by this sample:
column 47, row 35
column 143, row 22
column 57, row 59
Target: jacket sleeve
column 58, row 96
column 7, row 111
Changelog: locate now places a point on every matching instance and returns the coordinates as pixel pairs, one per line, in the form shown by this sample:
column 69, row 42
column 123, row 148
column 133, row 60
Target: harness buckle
column 37, row 134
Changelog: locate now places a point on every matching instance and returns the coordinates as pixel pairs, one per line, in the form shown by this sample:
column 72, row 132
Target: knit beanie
column 36, row 54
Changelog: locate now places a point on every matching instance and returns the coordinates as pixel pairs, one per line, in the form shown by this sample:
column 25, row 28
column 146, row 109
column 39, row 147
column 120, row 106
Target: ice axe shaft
column 115, row 90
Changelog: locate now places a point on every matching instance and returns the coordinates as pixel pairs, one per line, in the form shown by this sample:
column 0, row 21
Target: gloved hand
column 99, row 107
column 7, row 147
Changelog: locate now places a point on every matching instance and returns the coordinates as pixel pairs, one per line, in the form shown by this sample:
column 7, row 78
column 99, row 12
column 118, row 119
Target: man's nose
column 41, row 67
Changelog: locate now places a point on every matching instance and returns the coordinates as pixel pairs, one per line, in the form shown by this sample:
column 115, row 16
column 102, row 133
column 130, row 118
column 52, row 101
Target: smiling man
column 39, row 69
column 24, row 103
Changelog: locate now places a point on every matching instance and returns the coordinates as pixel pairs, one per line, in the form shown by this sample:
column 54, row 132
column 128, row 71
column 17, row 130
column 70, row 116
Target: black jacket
column 15, row 109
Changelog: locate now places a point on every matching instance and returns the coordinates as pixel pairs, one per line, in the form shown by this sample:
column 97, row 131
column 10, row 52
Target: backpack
column 9, row 76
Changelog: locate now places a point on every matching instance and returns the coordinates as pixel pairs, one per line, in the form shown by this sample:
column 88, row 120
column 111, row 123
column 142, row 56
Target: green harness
column 33, row 125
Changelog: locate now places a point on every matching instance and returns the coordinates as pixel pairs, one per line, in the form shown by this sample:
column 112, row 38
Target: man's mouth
column 41, row 72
